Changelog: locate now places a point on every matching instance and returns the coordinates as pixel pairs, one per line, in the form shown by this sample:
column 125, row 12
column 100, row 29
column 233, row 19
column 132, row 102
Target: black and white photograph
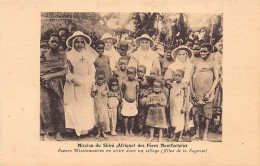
column 141, row 77
column 129, row 82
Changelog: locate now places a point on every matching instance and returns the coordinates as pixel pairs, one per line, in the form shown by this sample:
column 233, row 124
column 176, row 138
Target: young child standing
column 130, row 89
column 142, row 98
column 178, row 102
column 102, row 62
column 99, row 92
column 120, row 73
column 156, row 117
column 114, row 98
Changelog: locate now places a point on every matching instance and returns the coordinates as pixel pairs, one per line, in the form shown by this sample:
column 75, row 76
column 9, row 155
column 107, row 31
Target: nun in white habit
column 145, row 55
column 110, row 51
column 78, row 104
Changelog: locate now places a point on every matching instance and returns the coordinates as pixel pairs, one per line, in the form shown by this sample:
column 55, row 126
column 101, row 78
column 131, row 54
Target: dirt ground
column 213, row 136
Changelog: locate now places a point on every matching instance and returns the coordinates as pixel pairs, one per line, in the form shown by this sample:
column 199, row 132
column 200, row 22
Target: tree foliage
column 87, row 22
column 144, row 24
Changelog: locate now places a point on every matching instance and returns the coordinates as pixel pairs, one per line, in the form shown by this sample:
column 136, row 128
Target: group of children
column 129, row 99
column 129, row 95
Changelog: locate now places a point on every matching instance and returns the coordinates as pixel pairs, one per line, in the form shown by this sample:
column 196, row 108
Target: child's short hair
column 131, row 67
column 56, row 35
column 156, row 70
column 99, row 42
column 99, row 72
column 123, row 58
column 189, row 43
column 181, row 71
column 167, row 80
column 196, row 46
column 141, row 66
column 158, row 81
column 122, row 44
column 112, row 80
column 206, row 45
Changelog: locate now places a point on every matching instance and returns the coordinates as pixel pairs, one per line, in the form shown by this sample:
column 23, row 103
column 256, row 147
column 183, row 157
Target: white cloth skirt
column 129, row 109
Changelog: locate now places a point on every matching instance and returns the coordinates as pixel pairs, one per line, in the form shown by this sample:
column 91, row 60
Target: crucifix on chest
column 82, row 59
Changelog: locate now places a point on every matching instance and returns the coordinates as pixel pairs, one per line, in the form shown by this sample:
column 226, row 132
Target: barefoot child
column 156, row 117
column 130, row 88
column 120, row 74
column 99, row 93
column 178, row 100
column 142, row 97
column 114, row 98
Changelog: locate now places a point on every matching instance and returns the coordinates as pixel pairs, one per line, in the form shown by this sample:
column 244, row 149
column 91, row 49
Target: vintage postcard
column 129, row 83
